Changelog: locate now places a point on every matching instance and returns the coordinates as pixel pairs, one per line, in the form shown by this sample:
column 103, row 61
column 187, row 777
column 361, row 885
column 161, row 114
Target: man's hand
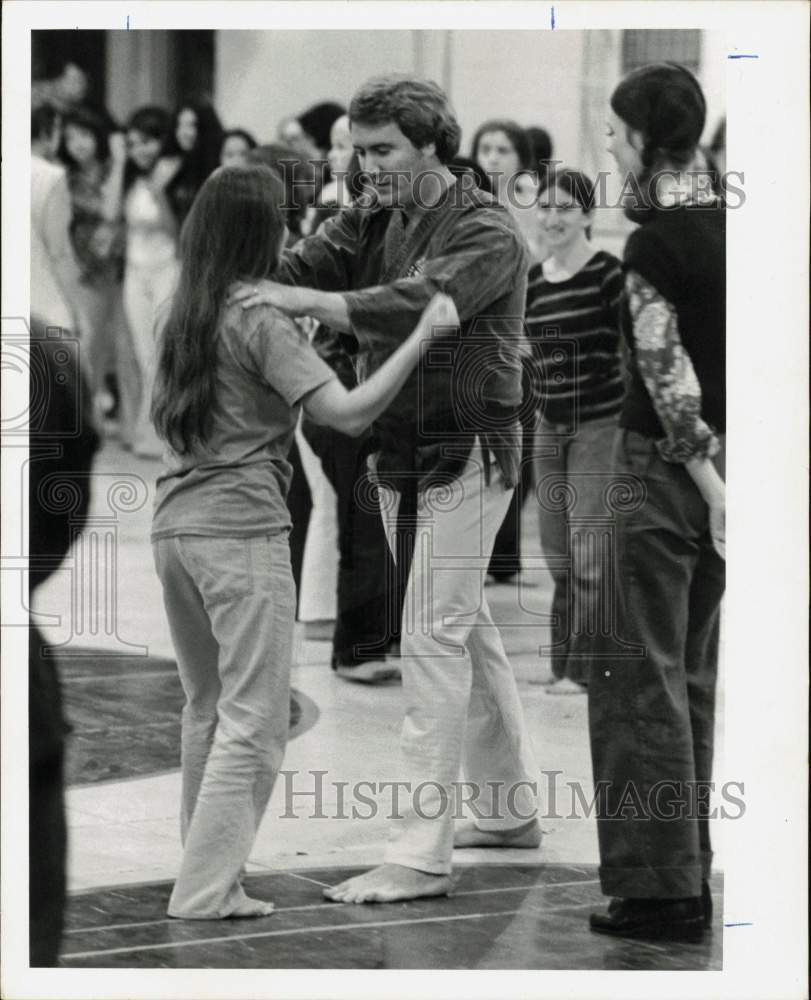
column 266, row 293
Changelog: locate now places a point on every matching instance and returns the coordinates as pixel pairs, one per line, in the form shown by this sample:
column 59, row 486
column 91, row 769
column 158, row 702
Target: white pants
column 461, row 701
column 147, row 291
column 231, row 605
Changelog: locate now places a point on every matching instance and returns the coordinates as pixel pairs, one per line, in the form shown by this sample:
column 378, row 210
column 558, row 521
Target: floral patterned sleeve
column 668, row 374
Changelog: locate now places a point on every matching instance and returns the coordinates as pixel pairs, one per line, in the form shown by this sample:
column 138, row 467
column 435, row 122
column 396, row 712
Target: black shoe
column 653, row 919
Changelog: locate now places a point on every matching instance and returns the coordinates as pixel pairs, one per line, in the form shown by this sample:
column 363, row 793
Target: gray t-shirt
column 237, row 485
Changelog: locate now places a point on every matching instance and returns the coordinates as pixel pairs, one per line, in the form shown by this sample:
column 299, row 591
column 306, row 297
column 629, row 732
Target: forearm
column 329, row 308
column 708, row 480
column 352, row 412
column 112, row 193
column 375, row 395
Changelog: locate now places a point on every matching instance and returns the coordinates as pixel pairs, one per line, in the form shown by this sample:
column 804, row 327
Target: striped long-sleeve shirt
column 573, row 327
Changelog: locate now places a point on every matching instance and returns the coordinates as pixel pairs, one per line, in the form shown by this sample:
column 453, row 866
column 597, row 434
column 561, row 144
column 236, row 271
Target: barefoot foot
column 469, row 835
column 252, row 908
column 388, row 884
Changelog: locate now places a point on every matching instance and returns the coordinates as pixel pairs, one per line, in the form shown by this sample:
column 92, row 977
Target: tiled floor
column 499, row 917
column 124, row 830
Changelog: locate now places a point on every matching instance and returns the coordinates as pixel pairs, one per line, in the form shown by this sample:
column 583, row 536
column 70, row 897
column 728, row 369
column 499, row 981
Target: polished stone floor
column 499, row 917
column 512, row 908
column 125, row 715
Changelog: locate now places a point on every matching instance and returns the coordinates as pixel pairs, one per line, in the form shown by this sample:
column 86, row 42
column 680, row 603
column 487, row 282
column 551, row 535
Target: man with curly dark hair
column 446, row 459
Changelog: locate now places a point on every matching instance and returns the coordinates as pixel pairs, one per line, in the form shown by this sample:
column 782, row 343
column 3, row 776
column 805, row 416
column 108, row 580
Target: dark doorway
column 193, row 59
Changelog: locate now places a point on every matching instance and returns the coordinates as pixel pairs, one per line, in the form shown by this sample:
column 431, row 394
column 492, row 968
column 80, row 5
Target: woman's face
column 80, row 144
column 340, row 151
column 496, row 155
column 561, row 220
column 186, row 130
column 624, row 144
column 143, row 150
column 234, row 152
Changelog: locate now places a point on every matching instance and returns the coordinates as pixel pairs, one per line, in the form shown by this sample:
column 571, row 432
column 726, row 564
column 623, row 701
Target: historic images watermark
column 428, row 190
column 313, row 795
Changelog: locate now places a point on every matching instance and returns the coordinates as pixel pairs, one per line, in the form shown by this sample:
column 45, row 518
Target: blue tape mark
column 743, row 57
column 552, row 11
column 739, row 925
column 128, row 22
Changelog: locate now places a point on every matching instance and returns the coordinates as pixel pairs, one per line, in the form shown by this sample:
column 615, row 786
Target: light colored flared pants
column 462, row 707
column 231, row 606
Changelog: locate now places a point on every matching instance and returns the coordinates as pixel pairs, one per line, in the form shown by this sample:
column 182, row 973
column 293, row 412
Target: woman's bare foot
column 388, row 884
column 469, row 835
column 252, row 908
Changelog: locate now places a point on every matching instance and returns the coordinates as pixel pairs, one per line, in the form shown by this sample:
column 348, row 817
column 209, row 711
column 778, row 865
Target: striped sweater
column 573, row 327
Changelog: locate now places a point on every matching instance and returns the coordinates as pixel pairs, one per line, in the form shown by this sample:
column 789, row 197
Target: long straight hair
column 233, row 231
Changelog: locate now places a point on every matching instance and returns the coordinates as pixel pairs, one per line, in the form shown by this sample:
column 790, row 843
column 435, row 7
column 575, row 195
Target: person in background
column 236, row 146
column 150, row 268
column 541, row 145
column 652, row 717
column 316, row 124
column 573, row 322
column 502, row 151
column 194, row 148
column 366, row 633
column 95, row 159
column 63, row 442
column 227, row 396
column 66, row 92
column 55, row 273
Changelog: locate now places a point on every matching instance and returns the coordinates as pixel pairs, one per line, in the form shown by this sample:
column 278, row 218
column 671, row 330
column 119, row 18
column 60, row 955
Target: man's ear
column 429, row 149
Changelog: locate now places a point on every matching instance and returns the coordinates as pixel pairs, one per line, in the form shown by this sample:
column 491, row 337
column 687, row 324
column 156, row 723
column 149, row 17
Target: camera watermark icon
column 43, row 431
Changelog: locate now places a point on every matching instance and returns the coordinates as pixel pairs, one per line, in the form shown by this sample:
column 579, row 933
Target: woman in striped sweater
column 573, row 322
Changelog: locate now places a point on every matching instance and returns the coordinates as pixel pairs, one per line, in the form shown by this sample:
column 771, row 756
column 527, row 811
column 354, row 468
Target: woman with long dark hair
column 651, row 715
column 150, row 267
column 227, row 395
column 95, row 158
column 195, row 146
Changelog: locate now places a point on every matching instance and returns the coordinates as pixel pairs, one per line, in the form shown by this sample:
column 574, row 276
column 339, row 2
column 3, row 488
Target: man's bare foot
column 469, row 835
column 388, row 884
column 252, row 908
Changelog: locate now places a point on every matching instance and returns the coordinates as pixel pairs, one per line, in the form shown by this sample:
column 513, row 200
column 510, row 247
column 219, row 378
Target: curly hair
column 419, row 108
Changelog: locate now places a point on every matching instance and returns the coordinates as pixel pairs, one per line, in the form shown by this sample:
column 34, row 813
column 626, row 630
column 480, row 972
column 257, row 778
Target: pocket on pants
column 222, row 568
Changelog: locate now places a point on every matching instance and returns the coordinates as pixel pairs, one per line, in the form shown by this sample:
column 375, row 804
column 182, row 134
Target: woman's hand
column 266, row 293
column 164, row 171
column 713, row 490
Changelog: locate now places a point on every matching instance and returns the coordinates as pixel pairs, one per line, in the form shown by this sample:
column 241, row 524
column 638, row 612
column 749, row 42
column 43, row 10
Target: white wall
column 262, row 77
column 534, row 77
